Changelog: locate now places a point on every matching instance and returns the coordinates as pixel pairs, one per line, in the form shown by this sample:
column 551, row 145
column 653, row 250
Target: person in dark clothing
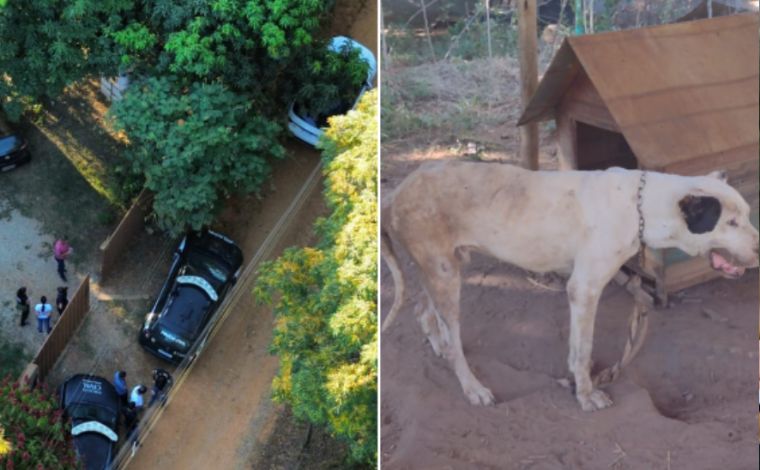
column 162, row 382
column 62, row 300
column 22, row 304
column 130, row 418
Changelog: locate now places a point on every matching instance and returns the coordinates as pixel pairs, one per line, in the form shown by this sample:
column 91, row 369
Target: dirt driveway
column 686, row 402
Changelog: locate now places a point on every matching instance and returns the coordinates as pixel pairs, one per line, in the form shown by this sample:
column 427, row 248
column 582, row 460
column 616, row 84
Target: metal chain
column 639, row 203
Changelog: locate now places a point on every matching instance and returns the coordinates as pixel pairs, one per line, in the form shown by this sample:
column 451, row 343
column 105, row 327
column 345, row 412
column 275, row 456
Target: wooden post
column 528, row 79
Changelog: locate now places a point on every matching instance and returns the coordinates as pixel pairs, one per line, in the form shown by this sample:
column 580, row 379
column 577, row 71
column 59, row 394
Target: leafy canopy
column 325, row 297
column 48, row 44
column 195, row 147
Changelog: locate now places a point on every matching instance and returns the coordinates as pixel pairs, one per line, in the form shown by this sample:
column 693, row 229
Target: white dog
column 586, row 224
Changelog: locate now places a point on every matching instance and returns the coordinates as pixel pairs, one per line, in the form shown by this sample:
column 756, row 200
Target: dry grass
column 449, row 98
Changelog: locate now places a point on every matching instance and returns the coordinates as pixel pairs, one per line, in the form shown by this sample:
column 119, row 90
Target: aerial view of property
column 188, row 219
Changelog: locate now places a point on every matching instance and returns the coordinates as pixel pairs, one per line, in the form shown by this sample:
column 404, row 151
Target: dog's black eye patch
column 701, row 213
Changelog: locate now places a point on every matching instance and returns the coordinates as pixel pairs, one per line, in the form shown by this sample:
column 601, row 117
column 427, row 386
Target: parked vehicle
column 93, row 406
column 113, row 88
column 14, row 150
column 309, row 128
column 204, row 267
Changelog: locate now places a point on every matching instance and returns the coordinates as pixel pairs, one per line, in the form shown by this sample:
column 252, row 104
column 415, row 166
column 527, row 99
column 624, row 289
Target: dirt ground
column 28, row 260
column 685, row 402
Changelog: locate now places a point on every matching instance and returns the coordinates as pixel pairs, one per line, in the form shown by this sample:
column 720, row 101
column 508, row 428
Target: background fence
column 57, row 340
column 133, row 221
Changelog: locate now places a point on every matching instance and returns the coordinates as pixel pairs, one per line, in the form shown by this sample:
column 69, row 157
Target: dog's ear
column 719, row 175
column 701, row 213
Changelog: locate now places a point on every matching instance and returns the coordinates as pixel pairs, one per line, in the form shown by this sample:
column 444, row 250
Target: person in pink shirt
column 61, row 251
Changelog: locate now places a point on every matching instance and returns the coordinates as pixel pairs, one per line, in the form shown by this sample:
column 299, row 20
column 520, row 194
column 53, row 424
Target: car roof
column 90, row 389
column 185, row 309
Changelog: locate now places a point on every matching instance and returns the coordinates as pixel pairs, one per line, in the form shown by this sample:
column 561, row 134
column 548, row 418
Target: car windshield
column 90, row 412
column 321, row 120
column 203, row 262
column 8, row 144
column 184, row 314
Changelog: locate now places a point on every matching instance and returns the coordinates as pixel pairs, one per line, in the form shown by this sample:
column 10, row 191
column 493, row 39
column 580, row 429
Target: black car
column 205, row 266
column 13, row 151
column 93, row 406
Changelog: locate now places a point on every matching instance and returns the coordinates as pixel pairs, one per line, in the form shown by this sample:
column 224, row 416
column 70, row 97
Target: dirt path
column 686, row 402
column 208, row 420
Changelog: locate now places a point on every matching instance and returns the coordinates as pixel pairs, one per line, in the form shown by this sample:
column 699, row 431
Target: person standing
column 137, row 396
column 120, row 384
column 22, row 304
column 61, row 251
column 162, row 381
column 62, row 300
column 43, row 310
column 130, row 418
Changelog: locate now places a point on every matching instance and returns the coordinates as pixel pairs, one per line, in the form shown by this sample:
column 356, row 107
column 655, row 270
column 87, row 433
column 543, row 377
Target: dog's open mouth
column 722, row 261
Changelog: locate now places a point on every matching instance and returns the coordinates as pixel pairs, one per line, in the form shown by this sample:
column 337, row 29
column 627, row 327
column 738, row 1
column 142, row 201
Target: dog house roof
column 677, row 92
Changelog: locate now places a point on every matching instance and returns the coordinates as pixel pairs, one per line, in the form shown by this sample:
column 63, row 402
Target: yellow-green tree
column 325, row 297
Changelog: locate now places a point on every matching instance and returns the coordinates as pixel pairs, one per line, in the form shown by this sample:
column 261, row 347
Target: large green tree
column 195, row 146
column 48, row 44
column 325, row 297
column 223, row 72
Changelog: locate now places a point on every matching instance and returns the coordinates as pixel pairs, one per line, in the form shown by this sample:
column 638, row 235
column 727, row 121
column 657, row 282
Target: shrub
column 34, row 428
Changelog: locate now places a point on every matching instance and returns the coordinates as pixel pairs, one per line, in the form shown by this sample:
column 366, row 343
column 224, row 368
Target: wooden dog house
column 679, row 98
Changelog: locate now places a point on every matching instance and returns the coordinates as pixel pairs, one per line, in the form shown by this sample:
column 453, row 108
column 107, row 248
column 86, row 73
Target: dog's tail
column 387, row 253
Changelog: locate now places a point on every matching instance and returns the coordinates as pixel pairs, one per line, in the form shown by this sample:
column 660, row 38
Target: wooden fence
column 133, row 221
column 62, row 332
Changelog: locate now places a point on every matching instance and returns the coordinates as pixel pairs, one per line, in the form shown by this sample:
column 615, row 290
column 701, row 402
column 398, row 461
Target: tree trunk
column 386, row 62
column 528, row 79
column 427, row 29
column 488, row 27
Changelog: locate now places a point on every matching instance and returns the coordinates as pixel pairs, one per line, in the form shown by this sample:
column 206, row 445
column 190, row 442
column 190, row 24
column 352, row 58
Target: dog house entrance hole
column 599, row 149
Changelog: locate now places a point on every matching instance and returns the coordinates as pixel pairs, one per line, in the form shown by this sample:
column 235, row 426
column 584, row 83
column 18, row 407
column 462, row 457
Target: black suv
column 205, row 266
column 93, row 406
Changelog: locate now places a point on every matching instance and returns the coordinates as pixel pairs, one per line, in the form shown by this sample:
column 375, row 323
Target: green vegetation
column 325, row 297
column 13, row 358
column 195, row 147
column 48, row 44
column 34, row 428
column 211, row 80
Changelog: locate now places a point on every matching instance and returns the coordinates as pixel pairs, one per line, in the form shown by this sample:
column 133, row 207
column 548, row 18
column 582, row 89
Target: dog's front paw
column 479, row 395
column 594, row 400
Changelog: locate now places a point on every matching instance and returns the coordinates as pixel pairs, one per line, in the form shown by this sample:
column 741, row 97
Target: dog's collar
column 639, row 204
